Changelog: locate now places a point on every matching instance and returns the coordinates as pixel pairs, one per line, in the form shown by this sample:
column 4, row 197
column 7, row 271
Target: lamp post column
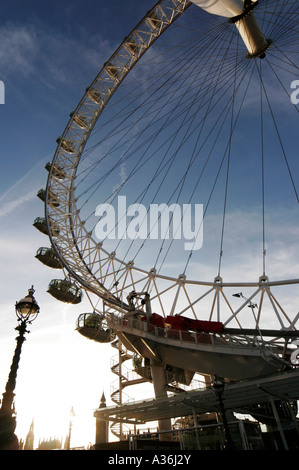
column 26, row 310
column 8, row 395
column 218, row 388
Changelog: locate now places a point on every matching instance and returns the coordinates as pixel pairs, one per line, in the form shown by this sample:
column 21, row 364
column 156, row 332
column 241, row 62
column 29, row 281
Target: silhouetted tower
column 29, row 442
column 101, row 425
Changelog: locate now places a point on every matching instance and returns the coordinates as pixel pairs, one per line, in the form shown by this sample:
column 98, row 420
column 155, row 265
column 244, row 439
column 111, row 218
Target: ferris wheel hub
column 241, row 14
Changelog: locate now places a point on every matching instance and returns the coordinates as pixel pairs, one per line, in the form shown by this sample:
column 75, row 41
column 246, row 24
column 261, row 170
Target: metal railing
column 195, row 337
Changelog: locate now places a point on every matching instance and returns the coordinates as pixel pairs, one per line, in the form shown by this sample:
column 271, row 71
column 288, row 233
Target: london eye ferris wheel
column 173, row 190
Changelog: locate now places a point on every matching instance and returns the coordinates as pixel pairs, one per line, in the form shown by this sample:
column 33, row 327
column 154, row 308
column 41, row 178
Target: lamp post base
column 8, row 439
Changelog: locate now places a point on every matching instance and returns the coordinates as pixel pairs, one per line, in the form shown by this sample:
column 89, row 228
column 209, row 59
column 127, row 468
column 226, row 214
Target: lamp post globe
column 218, row 386
column 26, row 310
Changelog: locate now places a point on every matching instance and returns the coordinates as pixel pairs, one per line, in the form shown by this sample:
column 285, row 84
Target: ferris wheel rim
column 178, row 6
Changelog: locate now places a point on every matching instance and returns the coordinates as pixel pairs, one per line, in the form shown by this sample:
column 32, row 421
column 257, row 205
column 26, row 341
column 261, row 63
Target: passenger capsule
column 153, row 20
column 112, row 71
column 131, row 46
column 65, row 291
column 57, row 171
column 48, row 257
column 94, row 95
column 53, row 200
column 80, row 120
column 94, row 326
column 66, row 145
column 41, row 225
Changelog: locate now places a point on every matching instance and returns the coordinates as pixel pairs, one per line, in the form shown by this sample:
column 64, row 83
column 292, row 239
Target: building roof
column 236, row 396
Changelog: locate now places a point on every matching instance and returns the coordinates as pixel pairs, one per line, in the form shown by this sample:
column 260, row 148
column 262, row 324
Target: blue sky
column 49, row 53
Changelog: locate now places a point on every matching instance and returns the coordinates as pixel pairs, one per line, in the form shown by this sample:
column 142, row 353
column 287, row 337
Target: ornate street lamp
column 27, row 310
column 218, row 387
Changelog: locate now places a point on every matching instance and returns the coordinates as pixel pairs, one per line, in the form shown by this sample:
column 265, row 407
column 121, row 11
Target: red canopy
column 178, row 322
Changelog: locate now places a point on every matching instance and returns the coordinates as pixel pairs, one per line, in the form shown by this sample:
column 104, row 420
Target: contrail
column 16, row 201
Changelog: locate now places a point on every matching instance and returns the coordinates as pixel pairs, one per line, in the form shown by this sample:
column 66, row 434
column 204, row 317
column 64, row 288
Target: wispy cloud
column 18, row 49
column 10, row 206
column 22, row 191
column 32, row 50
